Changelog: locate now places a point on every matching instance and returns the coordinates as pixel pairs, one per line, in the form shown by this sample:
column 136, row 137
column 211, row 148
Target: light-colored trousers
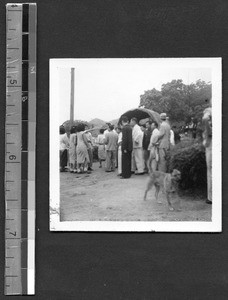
column 152, row 161
column 209, row 171
column 162, row 163
column 110, row 160
column 119, row 160
column 146, row 155
column 137, row 160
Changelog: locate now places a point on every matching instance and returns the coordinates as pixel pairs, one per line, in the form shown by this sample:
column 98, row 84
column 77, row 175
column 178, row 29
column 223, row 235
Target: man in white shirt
column 107, row 129
column 153, row 148
column 63, row 148
column 172, row 140
column 137, row 153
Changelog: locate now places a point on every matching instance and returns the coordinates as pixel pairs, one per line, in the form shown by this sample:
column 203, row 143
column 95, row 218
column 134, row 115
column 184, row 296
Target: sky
column 106, row 88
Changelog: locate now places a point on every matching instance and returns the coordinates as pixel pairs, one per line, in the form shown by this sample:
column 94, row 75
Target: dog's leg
column 157, row 189
column 179, row 203
column 145, row 194
column 169, row 203
column 149, row 186
column 147, row 190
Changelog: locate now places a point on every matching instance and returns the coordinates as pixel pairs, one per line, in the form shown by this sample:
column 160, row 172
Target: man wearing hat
column 110, row 141
column 164, row 143
column 107, row 130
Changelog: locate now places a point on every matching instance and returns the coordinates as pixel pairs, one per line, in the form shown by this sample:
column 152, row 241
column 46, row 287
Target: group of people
column 128, row 147
column 77, row 149
column 144, row 147
column 131, row 148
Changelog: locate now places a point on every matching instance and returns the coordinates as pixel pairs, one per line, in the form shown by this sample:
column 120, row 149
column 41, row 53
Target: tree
column 151, row 99
column 178, row 100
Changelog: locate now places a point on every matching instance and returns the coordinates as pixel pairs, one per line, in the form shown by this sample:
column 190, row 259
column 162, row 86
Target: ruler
column 20, row 131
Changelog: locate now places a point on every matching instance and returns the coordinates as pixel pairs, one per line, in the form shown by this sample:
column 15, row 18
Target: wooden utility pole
column 72, row 98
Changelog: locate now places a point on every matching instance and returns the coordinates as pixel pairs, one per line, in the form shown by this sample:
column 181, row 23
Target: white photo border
column 138, row 226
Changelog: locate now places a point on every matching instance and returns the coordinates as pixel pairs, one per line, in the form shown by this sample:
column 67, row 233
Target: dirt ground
column 102, row 196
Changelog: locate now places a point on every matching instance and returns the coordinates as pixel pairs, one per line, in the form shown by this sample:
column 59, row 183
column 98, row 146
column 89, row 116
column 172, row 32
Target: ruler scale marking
column 13, row 286
column 20, row 84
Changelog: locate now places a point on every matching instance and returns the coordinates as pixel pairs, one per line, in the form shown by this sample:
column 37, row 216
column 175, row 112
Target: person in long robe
column 126, row 148
column 72, row 149
column 82, row 149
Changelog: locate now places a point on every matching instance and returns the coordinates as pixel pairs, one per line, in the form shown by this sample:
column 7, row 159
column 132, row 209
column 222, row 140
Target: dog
column 167, row 181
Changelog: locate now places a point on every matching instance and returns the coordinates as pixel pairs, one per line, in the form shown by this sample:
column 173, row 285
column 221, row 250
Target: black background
column 121, row 265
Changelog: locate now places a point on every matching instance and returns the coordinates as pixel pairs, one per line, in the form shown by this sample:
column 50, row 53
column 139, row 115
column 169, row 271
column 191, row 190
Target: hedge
column 189, row 158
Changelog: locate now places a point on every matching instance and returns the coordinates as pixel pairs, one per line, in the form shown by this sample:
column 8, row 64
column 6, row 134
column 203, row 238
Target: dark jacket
column 127, row 138
column 146, row 138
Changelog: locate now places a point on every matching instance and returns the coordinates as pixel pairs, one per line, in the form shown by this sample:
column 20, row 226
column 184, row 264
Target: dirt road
column 102, row 196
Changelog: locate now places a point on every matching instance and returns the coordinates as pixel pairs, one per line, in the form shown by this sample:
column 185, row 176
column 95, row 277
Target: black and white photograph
column 135, row 144
column 113, row 148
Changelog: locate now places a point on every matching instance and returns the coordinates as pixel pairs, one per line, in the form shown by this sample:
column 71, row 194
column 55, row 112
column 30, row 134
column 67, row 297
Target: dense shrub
column 189, row 158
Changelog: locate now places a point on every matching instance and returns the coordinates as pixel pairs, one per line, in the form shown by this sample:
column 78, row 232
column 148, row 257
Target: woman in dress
column 89, row 138
column 101, row 147
column 63, row 148
column 72, row 149
column 82, row 149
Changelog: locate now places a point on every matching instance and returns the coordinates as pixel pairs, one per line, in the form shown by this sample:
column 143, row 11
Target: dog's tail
column 153, row 156
column 150, row 166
